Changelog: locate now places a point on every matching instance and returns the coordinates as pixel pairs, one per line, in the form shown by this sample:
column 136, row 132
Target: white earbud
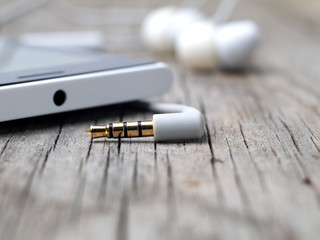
column 204, row 45
column 200, row 43
column 161, row 26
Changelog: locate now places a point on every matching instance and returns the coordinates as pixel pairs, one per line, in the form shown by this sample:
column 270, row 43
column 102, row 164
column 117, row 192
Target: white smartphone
column 37, row 81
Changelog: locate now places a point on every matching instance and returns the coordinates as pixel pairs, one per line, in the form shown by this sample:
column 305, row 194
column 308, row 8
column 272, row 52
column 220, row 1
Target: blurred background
column 279, row 94
column 118, row 22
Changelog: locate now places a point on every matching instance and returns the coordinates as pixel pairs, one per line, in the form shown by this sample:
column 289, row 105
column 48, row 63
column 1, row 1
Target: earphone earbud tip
column 195, row 46
column 155, row 29
column 161, row 26
column 236, row 42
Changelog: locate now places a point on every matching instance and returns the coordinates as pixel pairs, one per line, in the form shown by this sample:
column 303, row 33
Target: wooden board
column 254, row 175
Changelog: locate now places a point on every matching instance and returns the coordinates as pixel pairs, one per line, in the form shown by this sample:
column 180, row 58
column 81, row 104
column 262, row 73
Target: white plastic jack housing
column 179, row 123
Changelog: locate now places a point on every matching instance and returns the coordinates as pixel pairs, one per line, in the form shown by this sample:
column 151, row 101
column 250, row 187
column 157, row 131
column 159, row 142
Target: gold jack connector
column 122, row 130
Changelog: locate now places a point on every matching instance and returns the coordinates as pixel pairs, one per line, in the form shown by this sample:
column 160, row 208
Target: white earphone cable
column 194, row 3
column 224, row 11
column 89, row 16
column 101, row 16
column 16, row 9
column 110, row 15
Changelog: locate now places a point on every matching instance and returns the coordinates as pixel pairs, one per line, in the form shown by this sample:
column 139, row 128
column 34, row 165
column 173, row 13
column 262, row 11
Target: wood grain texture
column 254, row 175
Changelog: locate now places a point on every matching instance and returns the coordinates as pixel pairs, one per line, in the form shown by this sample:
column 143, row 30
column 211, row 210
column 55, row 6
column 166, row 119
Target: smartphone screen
column 19, row 63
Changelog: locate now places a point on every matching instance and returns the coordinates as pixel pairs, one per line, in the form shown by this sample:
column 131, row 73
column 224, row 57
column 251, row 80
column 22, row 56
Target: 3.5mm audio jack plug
column 188, row 123
column 122, row 130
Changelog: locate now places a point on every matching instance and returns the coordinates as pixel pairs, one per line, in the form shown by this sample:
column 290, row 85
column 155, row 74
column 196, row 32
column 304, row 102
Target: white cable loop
column 176, row 121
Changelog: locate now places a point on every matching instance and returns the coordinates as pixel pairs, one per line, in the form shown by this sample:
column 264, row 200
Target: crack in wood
column 258, row 171
column 213, row 160
column 208, row 135
column 243, row 195
column 5, row 146
column 316, row 146
column 80, row 167
column 89, row 150
column 243, row 138
column 119, row 144
column 288, row 155
column 295, row 142
column 45, row 161
column 58, row 135
column 242, row 192
column 282, row 145
column 122, row 113
column 171, row 204
column 309, row 129
column 156, row 173
column 278, row 160
column 103, row 185
column 155, row 155
column 135, row 175
column 312, row 134
column 272, row 121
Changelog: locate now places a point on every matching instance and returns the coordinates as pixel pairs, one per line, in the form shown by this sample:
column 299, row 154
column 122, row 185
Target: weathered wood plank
column 255, row 175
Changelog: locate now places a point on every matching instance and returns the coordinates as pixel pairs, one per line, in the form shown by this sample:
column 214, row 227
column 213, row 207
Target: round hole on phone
column 59, row 97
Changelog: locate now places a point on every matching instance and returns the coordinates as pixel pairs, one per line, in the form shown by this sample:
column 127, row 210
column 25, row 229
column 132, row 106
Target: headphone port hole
column 59, row 98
